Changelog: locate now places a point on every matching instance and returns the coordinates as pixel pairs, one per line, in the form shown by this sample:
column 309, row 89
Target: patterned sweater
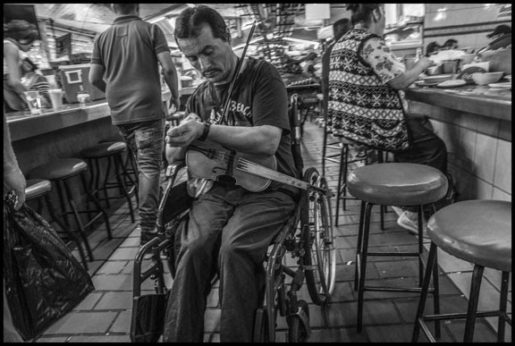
column 361, row 107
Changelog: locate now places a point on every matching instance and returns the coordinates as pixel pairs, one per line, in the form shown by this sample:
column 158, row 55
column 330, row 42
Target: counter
column 481, row 100
column 23, row 125
column 475, row 123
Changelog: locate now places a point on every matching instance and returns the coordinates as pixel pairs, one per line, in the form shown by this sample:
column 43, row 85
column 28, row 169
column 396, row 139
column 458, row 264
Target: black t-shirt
column 259, row 98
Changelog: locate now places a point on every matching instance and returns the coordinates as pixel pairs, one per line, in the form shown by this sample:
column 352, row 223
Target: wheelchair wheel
column 317, row 232
column 297, row 329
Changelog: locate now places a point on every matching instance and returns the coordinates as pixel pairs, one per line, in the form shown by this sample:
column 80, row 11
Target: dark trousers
column 228, row 233
column 426, row 147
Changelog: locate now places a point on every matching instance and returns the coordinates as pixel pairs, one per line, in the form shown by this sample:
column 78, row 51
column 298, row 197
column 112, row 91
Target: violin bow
column 238, row 68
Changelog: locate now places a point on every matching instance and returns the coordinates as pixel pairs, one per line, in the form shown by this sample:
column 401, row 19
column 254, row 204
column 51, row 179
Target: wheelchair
column 307, row 236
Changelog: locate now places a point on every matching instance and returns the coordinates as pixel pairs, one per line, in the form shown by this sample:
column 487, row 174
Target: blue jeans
column 146, row 140
column 228, row 233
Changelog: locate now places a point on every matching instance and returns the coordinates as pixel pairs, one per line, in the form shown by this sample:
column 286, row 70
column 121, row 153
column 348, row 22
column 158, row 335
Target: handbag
column 44, row 281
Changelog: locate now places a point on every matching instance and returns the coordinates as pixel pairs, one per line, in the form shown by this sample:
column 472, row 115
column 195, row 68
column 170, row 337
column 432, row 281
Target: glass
column 56, row 96
column 34, row 101
column 82, row 99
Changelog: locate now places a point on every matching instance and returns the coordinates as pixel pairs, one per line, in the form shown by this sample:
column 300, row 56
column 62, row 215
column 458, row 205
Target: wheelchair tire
column 297, row 330
column 317, row 232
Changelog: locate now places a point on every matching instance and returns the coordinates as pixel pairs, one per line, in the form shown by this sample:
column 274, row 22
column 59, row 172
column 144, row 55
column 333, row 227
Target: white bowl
column 486, row 78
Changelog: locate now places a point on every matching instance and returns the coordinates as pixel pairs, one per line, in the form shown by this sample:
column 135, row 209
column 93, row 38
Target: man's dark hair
column 450, row 42
column 432, row 47
column 191, row 20
column 340, row 27
column 125, row 8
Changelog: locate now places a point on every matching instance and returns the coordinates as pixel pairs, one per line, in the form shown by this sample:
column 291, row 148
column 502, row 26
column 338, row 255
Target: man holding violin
column 241, row 109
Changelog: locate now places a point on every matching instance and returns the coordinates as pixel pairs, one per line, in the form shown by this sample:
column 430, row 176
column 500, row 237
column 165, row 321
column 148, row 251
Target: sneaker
column 397, row 210
column 408, row 220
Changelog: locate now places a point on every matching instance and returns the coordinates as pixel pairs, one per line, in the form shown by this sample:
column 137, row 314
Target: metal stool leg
column 501, row 327
column 358, row 247
column 338, row 190
column 99, row 207
column 118, row 165
column 470, row 322
column 345, row 163
column 64, row 210
column 106, row 178
column 75, row 212
column 363, row 266
column 431, row 263
column 67, row 230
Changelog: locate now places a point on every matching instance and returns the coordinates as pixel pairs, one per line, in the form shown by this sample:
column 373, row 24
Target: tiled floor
column 104, row 315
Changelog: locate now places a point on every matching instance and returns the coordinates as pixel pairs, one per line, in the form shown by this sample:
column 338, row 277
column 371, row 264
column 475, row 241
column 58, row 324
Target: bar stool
column 479, row 232
column 37, row 190
column 406, row 184
column 112, row 152
column 59, row 172
column 131, row 170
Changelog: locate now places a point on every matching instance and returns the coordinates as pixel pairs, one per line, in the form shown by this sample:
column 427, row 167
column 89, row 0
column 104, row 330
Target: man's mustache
column 210, row 72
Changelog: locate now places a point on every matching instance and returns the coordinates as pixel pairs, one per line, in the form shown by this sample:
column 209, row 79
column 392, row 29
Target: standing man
column 124, row 65
column 229, row 228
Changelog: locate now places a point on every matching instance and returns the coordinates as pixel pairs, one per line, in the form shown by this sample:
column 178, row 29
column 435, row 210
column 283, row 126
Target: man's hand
column 14, row 180
column 183, row 135
column 173, row 105
column 425, row 62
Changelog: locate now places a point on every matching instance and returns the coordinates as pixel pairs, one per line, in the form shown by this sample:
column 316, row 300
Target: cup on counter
column 34, row 101
column 82, row 98
column 56, row 97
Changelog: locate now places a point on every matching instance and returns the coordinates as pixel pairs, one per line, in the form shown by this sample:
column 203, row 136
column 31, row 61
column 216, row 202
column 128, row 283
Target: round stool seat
column 59, row 169
column 103, row 149
column 477, row 231
column 397, row 184
column 37, row 187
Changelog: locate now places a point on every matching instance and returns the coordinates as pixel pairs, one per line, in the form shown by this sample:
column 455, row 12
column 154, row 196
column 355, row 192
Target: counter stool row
column 477, row 231
column 61, row 172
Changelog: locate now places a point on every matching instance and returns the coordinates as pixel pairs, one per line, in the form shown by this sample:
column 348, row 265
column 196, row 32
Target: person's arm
column 13, row 177
column 404, row 80
column 258, row 140
column 13, row 69
column 386, row 66
column 162, row 52
column 96, row 76
column 97, row 68
column 170, row 76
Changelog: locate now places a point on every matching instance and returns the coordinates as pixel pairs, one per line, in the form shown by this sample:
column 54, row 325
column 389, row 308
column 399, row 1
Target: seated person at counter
column 19, row 36
column 432, row 48
column 366, row 101
column 35, row 81
column 450, row 44
column 229, row 228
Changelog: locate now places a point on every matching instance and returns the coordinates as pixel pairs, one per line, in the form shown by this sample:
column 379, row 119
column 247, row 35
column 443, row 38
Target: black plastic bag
column 44, row 281
column 148, row 315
